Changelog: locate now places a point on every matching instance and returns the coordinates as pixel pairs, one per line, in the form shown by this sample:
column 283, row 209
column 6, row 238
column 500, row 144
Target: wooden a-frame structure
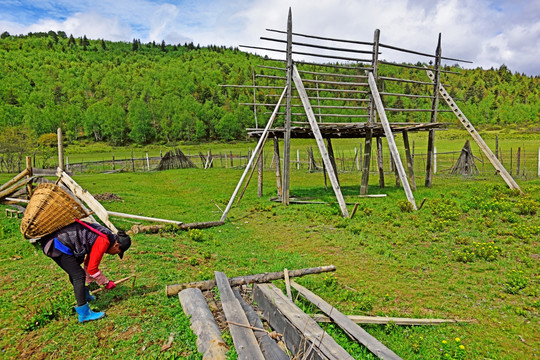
column 363, row 88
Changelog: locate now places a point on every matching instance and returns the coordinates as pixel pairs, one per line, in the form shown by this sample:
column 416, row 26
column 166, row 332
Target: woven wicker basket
column 50, row 208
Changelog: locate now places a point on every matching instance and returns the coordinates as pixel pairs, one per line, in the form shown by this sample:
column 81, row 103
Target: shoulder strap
column 91, row 228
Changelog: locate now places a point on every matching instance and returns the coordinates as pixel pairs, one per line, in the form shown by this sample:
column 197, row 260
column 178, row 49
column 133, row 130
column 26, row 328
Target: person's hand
column 110, row 285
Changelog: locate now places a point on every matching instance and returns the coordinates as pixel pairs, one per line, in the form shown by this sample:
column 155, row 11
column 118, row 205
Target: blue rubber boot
column 85, row 314
column 89, row 297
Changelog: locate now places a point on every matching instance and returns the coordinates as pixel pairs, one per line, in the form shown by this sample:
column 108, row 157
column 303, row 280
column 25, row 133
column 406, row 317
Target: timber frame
column 358, row 85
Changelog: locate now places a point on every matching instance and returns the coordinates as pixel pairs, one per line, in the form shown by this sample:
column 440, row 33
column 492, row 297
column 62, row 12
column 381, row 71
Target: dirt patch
column 108, row 197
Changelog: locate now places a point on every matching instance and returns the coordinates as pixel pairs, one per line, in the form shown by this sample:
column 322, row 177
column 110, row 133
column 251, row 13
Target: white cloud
column 488, row 32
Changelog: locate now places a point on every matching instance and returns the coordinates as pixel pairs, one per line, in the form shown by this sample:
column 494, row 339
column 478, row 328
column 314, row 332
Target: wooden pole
column 410, row 165
column 277, row 163
column 497, row 146
column 435, row 160
column 60, row 149
column 434, row 107
column 255, row 153
column 380, row 162
column 518, row 164
column 29, row 189
column 260, row 169
column 320, row 142
column 366, row 162
column 332, row 157
column 254, row 99
column 390, row 138
column 287, row 135
column 297, row 159
column 147, row 162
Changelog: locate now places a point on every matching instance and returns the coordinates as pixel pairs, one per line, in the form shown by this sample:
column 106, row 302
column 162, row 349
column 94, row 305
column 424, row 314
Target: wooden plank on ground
column 269, row 348
column 244, row 340
column 209, row 340
column 354, row 331
column 85, row 196
column 248, row 279
column 306, row 338
column 383, row 320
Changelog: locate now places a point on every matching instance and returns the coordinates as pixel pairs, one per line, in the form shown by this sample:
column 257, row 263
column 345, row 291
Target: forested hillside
column 124, row 93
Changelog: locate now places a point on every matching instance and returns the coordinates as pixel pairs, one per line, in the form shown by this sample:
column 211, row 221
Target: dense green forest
column 122, row 93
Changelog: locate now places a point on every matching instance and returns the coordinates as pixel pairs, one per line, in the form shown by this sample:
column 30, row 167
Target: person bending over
column 81, row 242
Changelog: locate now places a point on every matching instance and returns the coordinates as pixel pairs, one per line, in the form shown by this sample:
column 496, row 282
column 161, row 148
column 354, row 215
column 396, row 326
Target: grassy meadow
column 471, row 252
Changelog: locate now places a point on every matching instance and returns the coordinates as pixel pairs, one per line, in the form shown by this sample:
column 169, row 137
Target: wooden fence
column 521, row 163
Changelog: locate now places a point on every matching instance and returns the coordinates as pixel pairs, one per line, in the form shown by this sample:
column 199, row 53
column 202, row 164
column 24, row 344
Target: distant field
column 448, row 143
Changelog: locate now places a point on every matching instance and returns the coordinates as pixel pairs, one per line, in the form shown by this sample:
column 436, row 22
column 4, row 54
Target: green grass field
column 471, row 252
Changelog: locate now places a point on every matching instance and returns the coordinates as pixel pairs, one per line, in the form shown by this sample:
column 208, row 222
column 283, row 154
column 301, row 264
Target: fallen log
column 154, row 229
column 171, row 290
column 209, row 340
column 384, row 320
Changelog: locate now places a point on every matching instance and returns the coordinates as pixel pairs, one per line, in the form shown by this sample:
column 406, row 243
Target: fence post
column 147, row 162
column 435, row 160
column 60, row 149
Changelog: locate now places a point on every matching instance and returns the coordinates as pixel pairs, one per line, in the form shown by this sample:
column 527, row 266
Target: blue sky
column 487, row 32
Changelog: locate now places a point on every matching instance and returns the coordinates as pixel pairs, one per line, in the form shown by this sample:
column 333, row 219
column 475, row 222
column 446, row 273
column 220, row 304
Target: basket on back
column 50, row 208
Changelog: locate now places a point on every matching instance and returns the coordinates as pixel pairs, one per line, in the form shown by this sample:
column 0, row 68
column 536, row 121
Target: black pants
column 77, row 276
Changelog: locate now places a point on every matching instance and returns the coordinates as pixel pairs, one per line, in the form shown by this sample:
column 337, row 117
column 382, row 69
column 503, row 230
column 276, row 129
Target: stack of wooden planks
column 289, row 325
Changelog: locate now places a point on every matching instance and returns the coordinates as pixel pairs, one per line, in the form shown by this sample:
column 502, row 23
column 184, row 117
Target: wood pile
column 175, row 159
column 465, row 164
column 288, row 333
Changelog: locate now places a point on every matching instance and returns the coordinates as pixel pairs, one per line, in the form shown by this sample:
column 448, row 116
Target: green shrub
column 405, row 206
column 527, row 206
column 515, row 282
column 196, row 235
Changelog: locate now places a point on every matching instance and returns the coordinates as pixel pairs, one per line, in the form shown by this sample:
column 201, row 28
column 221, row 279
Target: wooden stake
column 287, row 283
column 60, row 149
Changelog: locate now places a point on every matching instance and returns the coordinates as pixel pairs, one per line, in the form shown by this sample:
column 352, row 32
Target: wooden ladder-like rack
column 476, row 136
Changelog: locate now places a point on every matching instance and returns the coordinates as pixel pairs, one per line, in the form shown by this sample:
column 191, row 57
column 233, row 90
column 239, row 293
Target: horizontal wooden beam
column 323, row 38
column 319, row 46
